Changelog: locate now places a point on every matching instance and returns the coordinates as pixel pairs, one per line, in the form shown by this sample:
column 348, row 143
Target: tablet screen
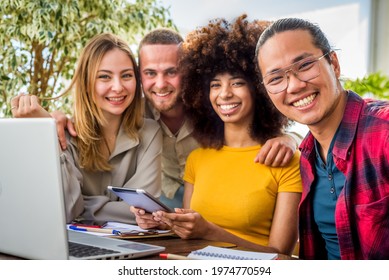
column 141, row 199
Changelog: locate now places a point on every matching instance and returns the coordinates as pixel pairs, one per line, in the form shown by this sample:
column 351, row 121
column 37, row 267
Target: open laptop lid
column 32, row 212
column 31, row 199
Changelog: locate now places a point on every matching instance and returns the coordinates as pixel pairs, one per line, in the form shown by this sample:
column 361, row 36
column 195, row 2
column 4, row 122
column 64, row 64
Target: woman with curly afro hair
column 228, row 197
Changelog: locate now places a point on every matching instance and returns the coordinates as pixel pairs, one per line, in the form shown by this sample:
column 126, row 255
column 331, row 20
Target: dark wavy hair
column 224, row 47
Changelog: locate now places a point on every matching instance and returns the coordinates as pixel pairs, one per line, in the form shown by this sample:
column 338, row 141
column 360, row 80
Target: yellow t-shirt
column 237, row 194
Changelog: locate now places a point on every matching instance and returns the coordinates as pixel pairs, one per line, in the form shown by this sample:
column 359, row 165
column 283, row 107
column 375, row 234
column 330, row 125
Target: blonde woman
column 115, row 144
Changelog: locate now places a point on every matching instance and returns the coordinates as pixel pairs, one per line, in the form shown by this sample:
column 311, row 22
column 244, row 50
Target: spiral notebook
column 217, row 253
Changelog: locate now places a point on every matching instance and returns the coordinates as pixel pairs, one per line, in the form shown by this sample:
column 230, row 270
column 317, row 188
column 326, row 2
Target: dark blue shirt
column 328, row 184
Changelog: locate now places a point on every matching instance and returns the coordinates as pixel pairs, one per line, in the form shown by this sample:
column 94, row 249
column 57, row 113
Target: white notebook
column 217, row 253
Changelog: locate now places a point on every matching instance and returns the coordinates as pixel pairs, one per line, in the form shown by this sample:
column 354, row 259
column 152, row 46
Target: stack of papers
column 121, row 230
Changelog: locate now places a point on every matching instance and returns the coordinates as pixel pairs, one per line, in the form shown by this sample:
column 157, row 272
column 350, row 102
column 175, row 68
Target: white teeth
column 304, row 102
column 228, row 106
column 162, row 94
column 115, row 99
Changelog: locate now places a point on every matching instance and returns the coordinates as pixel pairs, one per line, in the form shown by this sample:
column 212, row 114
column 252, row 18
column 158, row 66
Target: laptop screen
column 31, row 198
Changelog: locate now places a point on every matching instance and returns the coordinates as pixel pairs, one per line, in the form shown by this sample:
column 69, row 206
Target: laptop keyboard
column 82, row 250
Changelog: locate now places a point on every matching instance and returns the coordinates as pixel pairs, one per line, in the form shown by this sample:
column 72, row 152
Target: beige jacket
column 175, row 150
column 136, row 164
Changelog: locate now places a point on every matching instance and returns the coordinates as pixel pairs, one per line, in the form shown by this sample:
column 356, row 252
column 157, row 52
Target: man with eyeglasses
column 344, row 210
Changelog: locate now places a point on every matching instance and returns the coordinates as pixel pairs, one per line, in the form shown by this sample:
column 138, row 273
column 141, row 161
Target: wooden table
column 178, row 246
column 173, row 245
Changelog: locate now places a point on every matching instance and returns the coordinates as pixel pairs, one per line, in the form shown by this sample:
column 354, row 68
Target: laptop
column 32, row 210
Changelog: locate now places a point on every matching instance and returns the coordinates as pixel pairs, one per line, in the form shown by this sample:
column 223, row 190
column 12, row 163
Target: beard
column 166, row 105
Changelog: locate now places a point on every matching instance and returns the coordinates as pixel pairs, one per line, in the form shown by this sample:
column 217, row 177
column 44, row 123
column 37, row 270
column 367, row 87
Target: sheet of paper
column 122, row 227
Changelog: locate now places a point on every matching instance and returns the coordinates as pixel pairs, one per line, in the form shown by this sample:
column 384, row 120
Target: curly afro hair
column 223, row 47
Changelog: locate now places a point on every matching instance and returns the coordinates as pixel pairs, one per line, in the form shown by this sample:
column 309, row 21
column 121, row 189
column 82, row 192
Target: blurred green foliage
column 374, row 85
column 40, row 41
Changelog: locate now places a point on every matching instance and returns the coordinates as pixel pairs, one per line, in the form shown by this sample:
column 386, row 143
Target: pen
column 174, row 257
column 86, row 226
column 101, row 230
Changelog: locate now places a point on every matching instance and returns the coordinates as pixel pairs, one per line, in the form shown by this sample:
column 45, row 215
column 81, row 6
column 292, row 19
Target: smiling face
column 115, row 83
column 312, row 102
column 160, row 77
column 231, row 98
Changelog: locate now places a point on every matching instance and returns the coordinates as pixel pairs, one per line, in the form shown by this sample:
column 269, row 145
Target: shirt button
column 323, row 166
column 332, row 190
column 330, row 177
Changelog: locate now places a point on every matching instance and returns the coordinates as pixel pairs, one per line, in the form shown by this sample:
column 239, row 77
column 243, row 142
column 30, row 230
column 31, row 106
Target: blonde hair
column 88, row 118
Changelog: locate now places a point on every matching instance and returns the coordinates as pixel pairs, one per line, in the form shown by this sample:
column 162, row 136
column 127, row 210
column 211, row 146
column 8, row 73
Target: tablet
column 140, row 199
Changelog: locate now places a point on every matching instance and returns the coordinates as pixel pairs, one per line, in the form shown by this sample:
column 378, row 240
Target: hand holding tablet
column 141, row 199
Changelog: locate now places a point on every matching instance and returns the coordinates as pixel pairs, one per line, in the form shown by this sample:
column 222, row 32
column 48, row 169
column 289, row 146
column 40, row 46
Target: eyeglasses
column 304, row 70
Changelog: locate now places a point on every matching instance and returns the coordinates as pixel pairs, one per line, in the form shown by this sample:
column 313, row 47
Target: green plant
column 40, row 40
column 374, row 85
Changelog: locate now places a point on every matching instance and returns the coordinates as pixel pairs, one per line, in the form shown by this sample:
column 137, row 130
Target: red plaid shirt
column 361, row 152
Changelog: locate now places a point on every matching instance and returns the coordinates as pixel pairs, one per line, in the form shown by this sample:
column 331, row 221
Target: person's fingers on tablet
column 183, row 210
column 137, row 211
column 157, row 216
column 175, row 220
column 179, row 210
column 165, row 221
column 147, row 223
column 146, row 217
column 162, row 216
column 179, row 216
column 134, row 210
